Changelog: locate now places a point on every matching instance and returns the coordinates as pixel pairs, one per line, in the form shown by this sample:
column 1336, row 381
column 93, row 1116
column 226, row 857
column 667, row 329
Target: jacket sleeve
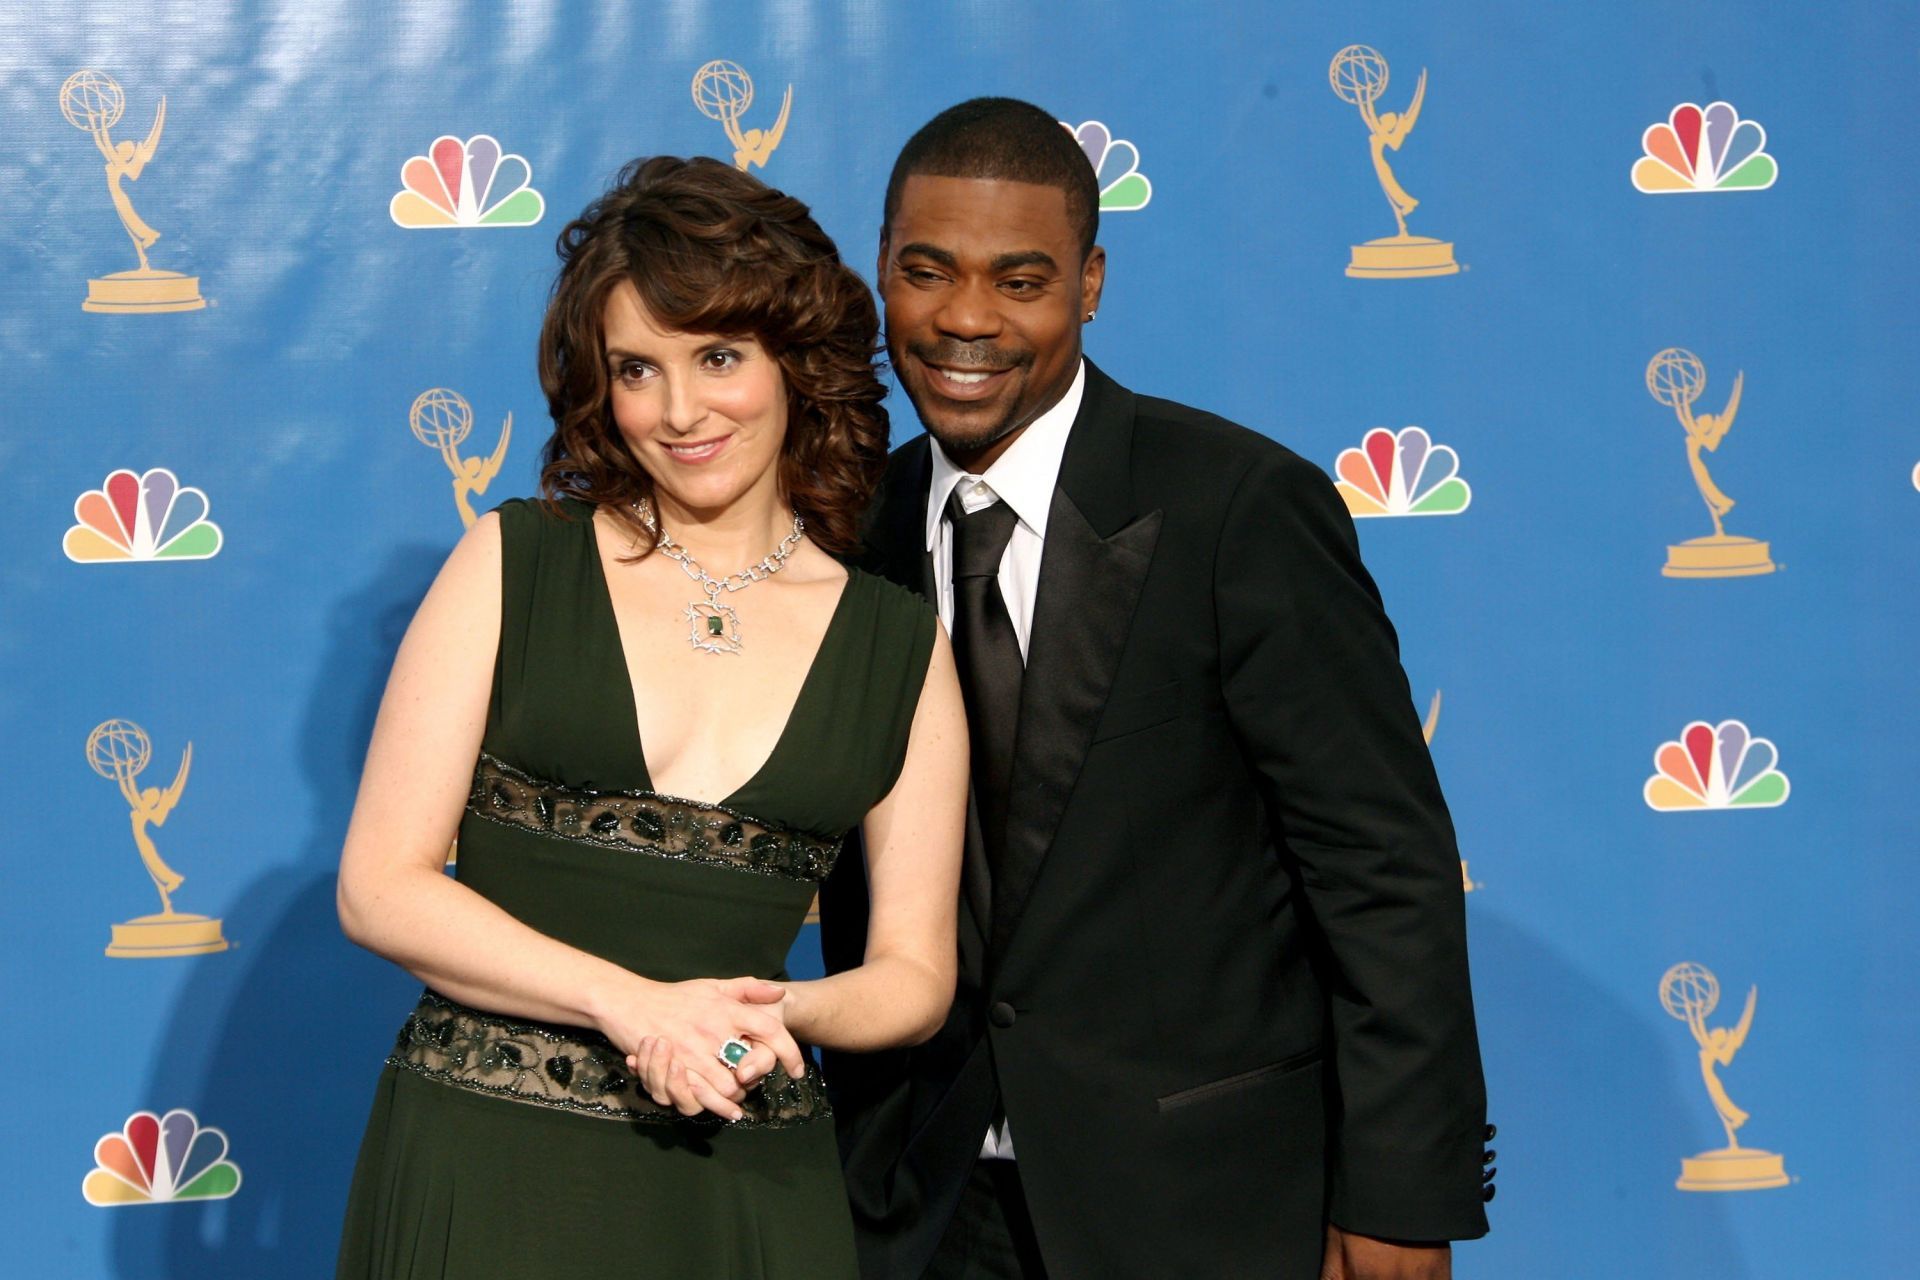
column 1310, row 670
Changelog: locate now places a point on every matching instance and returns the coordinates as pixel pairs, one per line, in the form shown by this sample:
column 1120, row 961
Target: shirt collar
column 1025, row 475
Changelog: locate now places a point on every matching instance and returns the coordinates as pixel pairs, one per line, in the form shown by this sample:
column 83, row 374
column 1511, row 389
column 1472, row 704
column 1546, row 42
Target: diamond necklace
column 713, row 627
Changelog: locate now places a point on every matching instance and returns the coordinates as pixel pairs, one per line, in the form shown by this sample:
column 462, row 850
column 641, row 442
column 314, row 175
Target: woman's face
column 706, row 416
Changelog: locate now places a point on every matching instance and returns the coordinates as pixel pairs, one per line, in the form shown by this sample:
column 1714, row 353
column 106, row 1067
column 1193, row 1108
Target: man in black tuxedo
column 1213, row 1016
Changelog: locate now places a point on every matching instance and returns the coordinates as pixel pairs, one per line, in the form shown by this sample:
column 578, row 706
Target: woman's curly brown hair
column 712, row 250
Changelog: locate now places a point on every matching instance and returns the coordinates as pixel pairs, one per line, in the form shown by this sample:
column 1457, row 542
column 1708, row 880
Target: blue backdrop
column 1564, row 657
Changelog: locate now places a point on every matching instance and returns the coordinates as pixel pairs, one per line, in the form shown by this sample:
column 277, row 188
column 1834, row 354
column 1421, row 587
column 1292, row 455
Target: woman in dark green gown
column 605, row 1075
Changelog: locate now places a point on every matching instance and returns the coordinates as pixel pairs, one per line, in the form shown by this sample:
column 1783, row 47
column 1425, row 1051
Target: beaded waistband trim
column 572, row 1069
column 664, row 826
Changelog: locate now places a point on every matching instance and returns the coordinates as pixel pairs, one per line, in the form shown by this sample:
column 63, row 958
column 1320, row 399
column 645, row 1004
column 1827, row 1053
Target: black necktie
column 987, row 652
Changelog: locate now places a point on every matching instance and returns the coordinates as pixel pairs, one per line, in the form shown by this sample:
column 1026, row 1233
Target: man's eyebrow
column 1025, row 258
column 923, row 250
column 1005, row 262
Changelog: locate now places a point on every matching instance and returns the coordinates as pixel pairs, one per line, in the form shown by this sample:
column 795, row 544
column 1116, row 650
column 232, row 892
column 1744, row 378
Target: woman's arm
column 903, row 988
column 395, row 899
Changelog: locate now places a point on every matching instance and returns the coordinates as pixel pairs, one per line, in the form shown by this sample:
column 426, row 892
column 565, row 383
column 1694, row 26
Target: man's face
column 985, row 293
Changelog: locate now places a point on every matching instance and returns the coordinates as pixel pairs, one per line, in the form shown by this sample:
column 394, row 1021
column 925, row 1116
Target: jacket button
column 1488, row 1193
column 1001, row 1015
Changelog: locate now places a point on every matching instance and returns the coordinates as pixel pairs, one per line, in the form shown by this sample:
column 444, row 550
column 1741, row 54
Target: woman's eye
column 633, row 372
column 722, row 359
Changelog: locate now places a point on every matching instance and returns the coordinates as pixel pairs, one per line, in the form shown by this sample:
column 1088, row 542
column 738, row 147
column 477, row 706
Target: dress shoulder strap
column 548, row 571
column 903, row 635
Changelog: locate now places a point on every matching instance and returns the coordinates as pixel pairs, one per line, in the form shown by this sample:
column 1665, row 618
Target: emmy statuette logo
column 724, row 91
column 132, row 518
column 160, row 1160
column 442, row 420
column 1690, row 992
column 92, row 101
column 119, row 750
column 1401, row 473
column 1359, row 76
column 1703, row 149
column 1116, row 167
column 1427, row 728
column 1676, row 378
column 471, row 184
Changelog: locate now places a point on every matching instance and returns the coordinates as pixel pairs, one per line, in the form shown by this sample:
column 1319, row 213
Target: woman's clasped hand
column 673, row 1033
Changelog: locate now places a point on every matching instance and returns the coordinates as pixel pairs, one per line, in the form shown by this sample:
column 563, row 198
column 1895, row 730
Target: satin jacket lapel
column 896, row 543
column 1095, row 563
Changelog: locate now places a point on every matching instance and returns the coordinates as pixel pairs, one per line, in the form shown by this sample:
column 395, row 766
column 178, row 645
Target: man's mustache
column 971, row 357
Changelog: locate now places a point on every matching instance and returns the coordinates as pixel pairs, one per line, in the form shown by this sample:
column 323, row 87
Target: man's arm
column 1311, row 675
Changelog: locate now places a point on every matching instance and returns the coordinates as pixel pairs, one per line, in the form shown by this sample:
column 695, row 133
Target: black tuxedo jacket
column 1220, row 985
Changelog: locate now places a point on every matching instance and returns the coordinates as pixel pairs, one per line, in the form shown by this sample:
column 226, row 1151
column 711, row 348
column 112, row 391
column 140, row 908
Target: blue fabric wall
column 1564, row 657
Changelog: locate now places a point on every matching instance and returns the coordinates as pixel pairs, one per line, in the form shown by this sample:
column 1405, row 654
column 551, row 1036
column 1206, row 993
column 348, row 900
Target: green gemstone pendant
column 713, row 627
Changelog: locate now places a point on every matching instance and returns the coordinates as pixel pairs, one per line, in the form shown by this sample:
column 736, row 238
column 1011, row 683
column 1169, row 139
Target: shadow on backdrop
column 280, row 1047
column 1589, row 1147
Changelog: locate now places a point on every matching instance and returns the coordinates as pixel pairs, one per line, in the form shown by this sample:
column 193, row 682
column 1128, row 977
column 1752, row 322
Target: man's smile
column 962, row 383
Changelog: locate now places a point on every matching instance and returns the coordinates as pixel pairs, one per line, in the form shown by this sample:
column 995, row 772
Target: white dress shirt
column 1024, row 478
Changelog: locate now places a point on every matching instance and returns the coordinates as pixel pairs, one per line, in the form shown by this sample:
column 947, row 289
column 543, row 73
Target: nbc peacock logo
column 1719, row 766
column 160, row 1160
column 1703, row 149
column 1401, row 473
column 133, row 518
column 1116, row 167
column 466, row 184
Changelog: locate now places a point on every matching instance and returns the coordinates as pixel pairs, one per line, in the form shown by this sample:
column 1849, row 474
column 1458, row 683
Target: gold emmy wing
column 1721, row 554
column 1732, row 1167
column 1359, row 76
column 169, row 932
column 94, row 102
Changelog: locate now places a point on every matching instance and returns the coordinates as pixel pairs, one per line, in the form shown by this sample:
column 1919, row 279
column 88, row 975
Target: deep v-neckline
column 807, row 682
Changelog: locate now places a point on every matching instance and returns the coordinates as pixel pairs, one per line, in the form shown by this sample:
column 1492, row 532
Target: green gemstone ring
column 733, row 1053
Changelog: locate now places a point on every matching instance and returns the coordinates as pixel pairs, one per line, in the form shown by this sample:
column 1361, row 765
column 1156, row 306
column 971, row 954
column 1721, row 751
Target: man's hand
column 1356, row 1257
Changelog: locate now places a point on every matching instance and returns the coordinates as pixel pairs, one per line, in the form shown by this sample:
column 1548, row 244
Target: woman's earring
column 1091, row 315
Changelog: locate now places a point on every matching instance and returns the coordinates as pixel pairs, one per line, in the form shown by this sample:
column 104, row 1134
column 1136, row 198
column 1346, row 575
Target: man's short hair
column 1005, row 140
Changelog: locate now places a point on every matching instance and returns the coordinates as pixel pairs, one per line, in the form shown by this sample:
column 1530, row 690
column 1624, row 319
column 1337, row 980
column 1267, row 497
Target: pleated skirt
column 455, row 1185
